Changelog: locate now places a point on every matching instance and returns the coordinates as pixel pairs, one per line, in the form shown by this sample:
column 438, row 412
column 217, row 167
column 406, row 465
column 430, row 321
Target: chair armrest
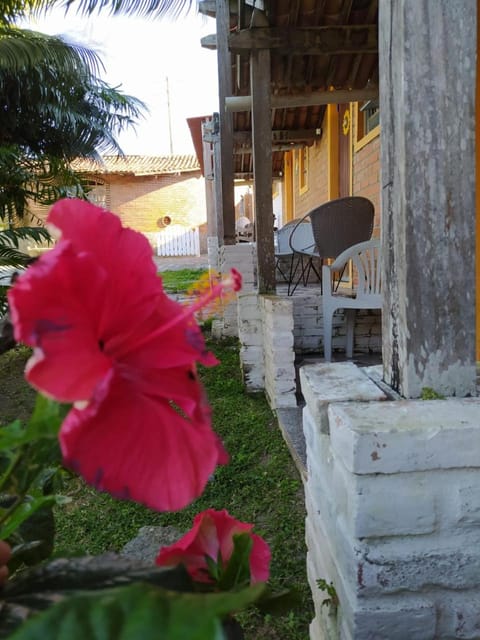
column 346, row 255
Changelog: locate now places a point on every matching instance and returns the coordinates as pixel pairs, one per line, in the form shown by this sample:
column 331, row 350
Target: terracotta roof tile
column 138, row 165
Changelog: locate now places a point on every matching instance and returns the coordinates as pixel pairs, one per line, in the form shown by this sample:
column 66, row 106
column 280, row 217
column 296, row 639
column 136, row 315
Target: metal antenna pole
column 169, row 118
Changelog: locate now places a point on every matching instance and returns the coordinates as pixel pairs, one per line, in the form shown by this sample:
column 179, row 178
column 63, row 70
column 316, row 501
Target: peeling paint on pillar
column 427, row 105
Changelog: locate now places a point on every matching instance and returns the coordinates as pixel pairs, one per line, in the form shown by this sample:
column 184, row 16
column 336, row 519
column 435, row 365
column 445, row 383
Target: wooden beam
column 280, row 136
column 209, row 42
column 224, row 166
column 340, row 96
column 247, row 149
column 325, row 40
column 207, row 7
column 262, row 169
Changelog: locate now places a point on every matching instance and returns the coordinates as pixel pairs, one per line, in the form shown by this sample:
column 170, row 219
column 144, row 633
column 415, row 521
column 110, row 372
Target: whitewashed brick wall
column 279, row 355
column 250, row 333
column 240, row 257
column 308, row 327
column 393, row 510
column 273, row 329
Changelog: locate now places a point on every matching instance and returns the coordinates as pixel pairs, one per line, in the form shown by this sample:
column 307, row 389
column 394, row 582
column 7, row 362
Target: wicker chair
column 335, row 226
column 283, row 253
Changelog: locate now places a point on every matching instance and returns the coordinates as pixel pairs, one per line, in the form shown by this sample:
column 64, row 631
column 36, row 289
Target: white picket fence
column 176, row 240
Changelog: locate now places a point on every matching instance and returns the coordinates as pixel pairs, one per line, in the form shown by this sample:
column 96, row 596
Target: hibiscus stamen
column 230, row 282
column 213, row 288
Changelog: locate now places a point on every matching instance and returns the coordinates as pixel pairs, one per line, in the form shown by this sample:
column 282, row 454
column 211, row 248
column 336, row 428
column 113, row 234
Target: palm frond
column 13, row 258
column 24, row 49
column 156, row 8
column 11, row 237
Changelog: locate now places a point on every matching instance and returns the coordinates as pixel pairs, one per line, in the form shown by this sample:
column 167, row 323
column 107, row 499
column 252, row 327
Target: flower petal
column 140, row 447
column 212, row 532
column 51, row 313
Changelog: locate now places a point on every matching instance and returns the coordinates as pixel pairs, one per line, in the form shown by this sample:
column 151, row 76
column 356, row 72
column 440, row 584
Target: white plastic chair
column 366, row 259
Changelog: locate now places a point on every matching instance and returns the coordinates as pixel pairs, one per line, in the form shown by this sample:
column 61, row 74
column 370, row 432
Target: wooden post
column 427, row 105
column 208, row 166
column 224, row 174
column 477, row 161
column 262, row 168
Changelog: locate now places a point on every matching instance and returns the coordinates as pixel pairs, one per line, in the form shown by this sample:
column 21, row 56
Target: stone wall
column 393, row 510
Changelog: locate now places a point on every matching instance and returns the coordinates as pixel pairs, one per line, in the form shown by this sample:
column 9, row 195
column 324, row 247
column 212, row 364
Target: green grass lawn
column 181, row 280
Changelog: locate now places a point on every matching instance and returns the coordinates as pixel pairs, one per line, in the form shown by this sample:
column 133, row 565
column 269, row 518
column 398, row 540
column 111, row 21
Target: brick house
column 148, row 193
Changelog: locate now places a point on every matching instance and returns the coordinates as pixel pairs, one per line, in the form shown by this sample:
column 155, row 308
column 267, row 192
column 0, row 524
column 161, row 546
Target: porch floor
column 290, row 419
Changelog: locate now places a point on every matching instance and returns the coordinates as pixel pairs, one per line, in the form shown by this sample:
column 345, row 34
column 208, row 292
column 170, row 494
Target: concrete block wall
column 240, row 257
column 272, row 330
column 250, row 333
column 266, row 354
column 393, row 510
column 308, row 327
column 279, row 354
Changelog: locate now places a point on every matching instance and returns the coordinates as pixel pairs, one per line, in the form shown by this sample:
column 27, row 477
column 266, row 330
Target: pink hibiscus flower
column 212, row 536
column 108, row 339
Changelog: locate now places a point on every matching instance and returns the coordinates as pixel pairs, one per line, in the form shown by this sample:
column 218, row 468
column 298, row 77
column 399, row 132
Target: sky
column 142, row 57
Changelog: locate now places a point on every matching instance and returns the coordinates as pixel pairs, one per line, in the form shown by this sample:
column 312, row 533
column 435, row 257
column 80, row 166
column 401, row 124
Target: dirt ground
column 16, row 397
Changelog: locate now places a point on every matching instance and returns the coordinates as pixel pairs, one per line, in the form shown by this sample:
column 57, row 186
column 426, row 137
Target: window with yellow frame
column 367, row 117
column 303, row 169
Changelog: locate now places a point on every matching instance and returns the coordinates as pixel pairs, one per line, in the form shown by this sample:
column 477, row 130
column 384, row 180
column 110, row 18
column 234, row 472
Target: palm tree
column 55, row 108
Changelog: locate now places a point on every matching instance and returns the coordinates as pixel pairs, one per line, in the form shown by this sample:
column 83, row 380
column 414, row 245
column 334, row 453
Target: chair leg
column 306, row 271
column 293, row 272
column 340, row 276
column 291, row 275
column 350, row 320
column 327, row 334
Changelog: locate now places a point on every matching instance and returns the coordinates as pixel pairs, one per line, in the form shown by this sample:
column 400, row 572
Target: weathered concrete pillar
column 427, row 105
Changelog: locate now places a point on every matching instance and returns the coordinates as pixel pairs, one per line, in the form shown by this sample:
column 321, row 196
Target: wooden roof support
column 244, row 103
column 262, row 169
column 311, row 41
column 224, row 178
column 428, row 197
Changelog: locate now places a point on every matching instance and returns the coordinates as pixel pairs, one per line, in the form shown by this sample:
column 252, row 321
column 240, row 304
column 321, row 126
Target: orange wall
column 317, row 191
column 365, row 176
column 141, row 201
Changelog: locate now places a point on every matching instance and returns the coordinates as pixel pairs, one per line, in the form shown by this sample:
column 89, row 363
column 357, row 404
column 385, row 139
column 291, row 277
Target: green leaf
column 137, row 611
column 22, row 512
column 45, row 422
column 237, row 572
column 12, row 435
column 46, row 418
